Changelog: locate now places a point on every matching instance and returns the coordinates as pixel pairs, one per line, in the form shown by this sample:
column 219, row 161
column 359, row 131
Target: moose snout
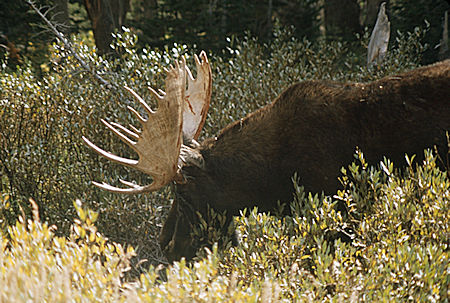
column 175, row 239
column 177, row 249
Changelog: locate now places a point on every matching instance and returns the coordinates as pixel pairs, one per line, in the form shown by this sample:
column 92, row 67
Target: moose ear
column 191, row 157
column 197, row 98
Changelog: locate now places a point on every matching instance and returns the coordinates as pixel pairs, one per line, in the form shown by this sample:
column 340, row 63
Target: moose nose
column 174, row 250
column 170, row 252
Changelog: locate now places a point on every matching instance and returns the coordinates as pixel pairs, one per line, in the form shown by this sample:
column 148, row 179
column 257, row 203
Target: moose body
column 311, row 129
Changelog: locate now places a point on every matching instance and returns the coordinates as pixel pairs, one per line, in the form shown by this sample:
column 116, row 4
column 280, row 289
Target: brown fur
column 312, row 128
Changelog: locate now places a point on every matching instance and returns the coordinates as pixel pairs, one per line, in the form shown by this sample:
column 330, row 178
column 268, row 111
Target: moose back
column 311, row 129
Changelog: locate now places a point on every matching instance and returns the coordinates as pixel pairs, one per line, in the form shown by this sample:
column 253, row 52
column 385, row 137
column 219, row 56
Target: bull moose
column 311, row 129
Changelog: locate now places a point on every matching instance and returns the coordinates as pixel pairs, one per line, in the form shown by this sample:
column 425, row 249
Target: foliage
column 42, row 119
column 22, row 34
column 407, row 14
column 205, row 24
column 36, row 265
column 390, row 245
column 42, row 155
column 320, row 252
column 395, row 250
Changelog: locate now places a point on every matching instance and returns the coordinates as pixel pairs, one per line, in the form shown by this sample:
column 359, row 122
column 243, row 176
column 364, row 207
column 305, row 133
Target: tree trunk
column 106, row 16
column 372, row 8
column 342, row 19
column 61, row 15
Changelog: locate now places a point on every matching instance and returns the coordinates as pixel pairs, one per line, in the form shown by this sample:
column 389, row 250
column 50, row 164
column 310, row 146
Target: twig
column 69, row 46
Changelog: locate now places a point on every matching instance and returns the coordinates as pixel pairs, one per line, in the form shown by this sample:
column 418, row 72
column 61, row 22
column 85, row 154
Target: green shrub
column 44, row 115
column 36, row 265
column 42, row 157
column 394, row 251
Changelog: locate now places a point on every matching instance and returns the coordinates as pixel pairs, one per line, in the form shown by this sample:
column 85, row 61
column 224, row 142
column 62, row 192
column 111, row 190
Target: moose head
column 311, row 129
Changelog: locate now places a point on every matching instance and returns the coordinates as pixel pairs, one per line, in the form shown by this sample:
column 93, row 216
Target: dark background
column 206, row 24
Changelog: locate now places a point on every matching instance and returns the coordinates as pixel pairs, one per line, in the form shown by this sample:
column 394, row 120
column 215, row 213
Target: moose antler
column 159, row 142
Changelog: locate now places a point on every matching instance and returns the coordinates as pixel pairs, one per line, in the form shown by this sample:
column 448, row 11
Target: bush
column 44, row 115
column 395, row 250
column 391, row 244
column 42, row 155
column 38, row 266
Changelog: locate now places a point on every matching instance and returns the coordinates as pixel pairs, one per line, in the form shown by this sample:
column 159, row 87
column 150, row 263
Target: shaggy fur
column 312, row 128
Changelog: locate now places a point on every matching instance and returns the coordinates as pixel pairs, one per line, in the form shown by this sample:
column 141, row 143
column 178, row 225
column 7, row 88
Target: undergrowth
column 390, row 243
column 391, row 246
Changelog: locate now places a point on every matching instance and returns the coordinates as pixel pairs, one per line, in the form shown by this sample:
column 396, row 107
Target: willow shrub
column 395, row 250
column 44, row 113
column 42, row 119
column 36, row 265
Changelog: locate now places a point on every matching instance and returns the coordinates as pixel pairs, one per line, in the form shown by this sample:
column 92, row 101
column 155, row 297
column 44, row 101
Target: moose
column 312, row 128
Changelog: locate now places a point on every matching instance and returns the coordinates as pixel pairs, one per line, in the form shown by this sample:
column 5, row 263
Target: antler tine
column 141, row 101
column 137, row 131
column 188, row 70
column 138, row 115
column 135, row 189
column 158, row 143
column 124, row 138
column 155, row 94
column 126, row 130
column 130, row 184
column 108, row 155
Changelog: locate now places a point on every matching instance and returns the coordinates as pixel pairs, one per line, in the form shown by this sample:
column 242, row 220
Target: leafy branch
column 69, row 46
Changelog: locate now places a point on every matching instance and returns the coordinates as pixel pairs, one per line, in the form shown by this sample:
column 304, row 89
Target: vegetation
column 205, row 24
column 394, row 248
column 390, row 243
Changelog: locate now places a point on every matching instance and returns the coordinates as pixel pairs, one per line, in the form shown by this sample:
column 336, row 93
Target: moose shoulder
column 311, row 129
